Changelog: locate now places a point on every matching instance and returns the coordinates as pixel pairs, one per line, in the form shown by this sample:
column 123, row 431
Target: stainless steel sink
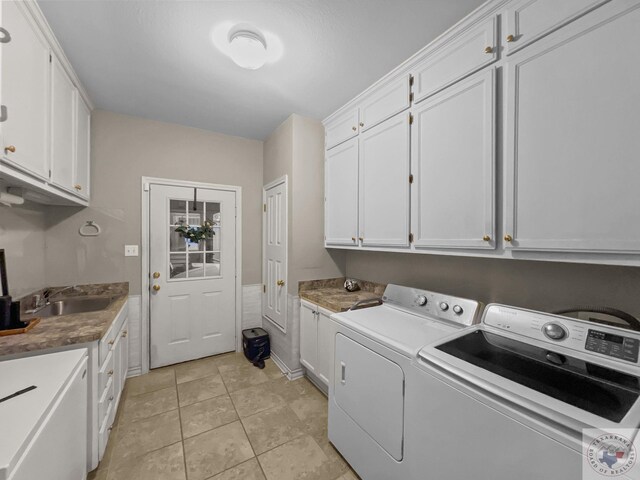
column 67, row 306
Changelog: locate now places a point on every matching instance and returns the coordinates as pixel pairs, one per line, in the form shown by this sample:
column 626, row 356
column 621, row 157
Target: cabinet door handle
column 6, row 36
column 4, row 116
column 111, row 398
column 510, row 38
column 486, row 238
column 110, row 373
column 508, row 238
column 343, row 374
column 124, row 334
column 354, row 128
column 488, row 50
column 77, row 186
column 10, row 149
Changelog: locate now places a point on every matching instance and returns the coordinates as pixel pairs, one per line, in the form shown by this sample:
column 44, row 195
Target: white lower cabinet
column 572, row 165
column 453, row 166
column 111, row 377
column 315, row 340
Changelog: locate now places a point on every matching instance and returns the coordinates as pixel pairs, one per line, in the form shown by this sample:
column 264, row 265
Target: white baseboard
column 291, row 374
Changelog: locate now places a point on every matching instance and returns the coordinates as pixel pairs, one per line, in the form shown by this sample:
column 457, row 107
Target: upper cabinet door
column 385, row 101
column 384, row 183
column 63, row 126
column 469, row 53
column 341, row 194
column 83, row 148
column 453, row 165
column 528, row 20
column 25, row 92
column 572, row 143
column 341, row 128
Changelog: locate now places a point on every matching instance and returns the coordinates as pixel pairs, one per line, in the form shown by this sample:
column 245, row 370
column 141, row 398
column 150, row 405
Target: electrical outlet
column 131, row 250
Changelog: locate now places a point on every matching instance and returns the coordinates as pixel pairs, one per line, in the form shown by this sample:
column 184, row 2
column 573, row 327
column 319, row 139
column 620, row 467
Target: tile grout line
column 184, row 453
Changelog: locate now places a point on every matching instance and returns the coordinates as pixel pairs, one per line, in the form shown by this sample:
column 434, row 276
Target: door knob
column 156, row 274
column 156, row 287
column 10, row 148
column 280, row 283
column 508, row 238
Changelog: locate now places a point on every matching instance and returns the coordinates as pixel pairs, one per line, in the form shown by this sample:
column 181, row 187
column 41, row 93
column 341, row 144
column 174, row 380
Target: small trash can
column 256, row 345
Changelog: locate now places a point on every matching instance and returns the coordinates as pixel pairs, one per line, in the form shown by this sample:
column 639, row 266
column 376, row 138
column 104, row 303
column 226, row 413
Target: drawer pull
column 6, row 36
column 10, row 149
column 361, row 124
column 343, row 374
column 110, row 373
column 110, row 428
column 4, row 116
column 486, row 238
column 488, row 50
column 508, row 238
column 354, row 128
column 124, row 334
column 77, row 186
column 111, row 398
column 510, row 38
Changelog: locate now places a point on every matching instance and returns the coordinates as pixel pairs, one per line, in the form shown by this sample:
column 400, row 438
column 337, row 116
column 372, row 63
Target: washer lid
column 401, row 331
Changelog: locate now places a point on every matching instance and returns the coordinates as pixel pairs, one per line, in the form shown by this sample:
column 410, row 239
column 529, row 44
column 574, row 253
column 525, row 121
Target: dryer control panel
column 425, row 303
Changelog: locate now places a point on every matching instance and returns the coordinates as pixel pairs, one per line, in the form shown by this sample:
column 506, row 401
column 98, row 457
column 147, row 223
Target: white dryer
column 372, row 350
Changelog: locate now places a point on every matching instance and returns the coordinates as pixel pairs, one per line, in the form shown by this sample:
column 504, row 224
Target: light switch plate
column 131, row 250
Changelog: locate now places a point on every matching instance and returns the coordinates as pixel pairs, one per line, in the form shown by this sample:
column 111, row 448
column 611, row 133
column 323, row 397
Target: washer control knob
column 457, row 309
column 444, row 306
column 554, row 331
column 421, row 300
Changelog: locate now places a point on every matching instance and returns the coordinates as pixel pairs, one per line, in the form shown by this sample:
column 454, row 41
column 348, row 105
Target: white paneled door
column 274, row 269
column 193, row 281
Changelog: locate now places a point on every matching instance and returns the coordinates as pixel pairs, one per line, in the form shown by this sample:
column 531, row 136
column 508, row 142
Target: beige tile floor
column 220, row 418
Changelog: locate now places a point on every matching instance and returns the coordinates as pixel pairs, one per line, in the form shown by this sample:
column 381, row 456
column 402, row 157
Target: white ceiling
column 155, row 59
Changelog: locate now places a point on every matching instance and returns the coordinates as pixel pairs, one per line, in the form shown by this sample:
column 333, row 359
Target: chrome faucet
column 39, row 301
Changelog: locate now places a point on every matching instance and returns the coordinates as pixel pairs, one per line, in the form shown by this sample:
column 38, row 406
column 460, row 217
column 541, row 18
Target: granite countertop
column 72, row 329
column 331, row 294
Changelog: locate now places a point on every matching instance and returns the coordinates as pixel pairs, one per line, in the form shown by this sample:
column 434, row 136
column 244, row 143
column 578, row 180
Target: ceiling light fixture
column 247, row 47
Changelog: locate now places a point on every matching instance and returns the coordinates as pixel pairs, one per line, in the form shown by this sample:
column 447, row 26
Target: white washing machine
column 525, row 395
column 372, row 351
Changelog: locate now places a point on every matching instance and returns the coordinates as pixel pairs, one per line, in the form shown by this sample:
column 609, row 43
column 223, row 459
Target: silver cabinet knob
column 421, row 300
column 457, row 309
column 444, row 306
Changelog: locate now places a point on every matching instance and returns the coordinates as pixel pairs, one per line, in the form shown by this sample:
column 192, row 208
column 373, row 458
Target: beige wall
column 296, row 149
column 22, row 235
column 123, row 150
column 538, row 285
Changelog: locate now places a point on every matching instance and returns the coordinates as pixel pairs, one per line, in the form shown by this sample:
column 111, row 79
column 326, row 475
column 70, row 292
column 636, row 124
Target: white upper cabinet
column 468, row 53
column 572, row 139
column 63, row 126
column 81, row 183
column 384, row 183
column 342, row 128
column 341, row 194
column 453, row 166
column 528, row 20
column 44, row 119
column 386, row 101
column 24, row 92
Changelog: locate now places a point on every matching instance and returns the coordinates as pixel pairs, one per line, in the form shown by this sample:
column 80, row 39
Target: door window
column 194, row 239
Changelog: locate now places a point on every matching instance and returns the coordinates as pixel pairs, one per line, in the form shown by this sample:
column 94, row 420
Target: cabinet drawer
column 105, row 430
column 473, row 50
column 106, row 401
column 385, row 102
column 341, row 128
column 528, row 20
column 107, row 342
column 107, row 371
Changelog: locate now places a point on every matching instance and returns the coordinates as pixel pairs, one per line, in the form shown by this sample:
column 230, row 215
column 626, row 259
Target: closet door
column 384, row 183
column 453, row 166
column 572, row 144
column 341, row 194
